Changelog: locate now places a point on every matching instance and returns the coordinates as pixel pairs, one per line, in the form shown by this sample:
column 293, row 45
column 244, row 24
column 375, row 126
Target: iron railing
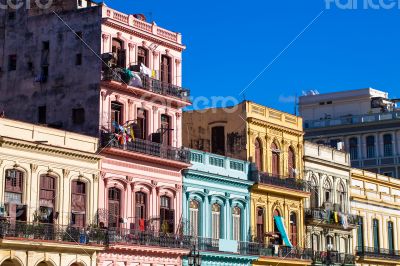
column 52, row 232
column 281, row 181
column 378, row 253
column 327, row 216
column 333, row 257
column 147, row 147
column 148, row 238
column 147, row 83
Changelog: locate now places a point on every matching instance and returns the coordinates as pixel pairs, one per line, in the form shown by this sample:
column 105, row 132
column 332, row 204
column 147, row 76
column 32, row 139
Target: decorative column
column 104, row 46
column 228, row 217
column 154, row 195
column 156, row 63
column 207, row 215
column 178, row 71
column 178, row 126
column 131, row 54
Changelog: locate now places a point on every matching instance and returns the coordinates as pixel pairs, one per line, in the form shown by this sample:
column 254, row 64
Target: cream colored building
column 48, row 196
column 329, row 223
column 376, row 199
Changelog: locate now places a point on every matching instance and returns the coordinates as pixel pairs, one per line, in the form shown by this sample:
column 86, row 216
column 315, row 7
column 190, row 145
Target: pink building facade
column 140, row 191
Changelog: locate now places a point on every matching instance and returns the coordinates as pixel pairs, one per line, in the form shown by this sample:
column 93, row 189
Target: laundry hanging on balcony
column 135, row 81
column 145, row 70
column 282, row 229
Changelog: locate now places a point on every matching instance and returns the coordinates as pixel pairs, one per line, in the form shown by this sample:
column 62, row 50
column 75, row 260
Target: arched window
column 167, row 215
column 141, row 210
column 216, row 221
column 194, row 216
column 329, row 242
column 47, row 198
column 342, row 196
column 260, row 225
column 387, row 145
column 143, row 57
column 236, row 217
column 166, row 69
column 278, row 240
column 258, row 154
column 114, row 207
column 353, row 143
column 375, row 234
column 275, row 159
column 293, row 228
column 327, row 191
column 315, row 242
column 13, row 193
column 119, row 52
column 291, row 163
column 116, row 115
column 78, row 203
column 370, row 147
column 314, row 197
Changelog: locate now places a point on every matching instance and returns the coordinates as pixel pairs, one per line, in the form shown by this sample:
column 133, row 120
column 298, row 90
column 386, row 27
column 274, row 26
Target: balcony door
column 275, row 160
column 47, row 198
column 218, row 140
column 114, row 207
column 260, row 225
column 166, row 129
column 119, row 53
column 166, row 69
column 167, row 215
column 141, row 210
column 78, row 203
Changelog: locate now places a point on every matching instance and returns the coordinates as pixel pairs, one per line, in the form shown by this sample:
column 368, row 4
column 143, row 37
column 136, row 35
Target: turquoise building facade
column 216, row 202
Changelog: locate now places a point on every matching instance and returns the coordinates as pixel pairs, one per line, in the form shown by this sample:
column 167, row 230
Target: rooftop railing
column 379, row 253
column 147, row 147
column 352, row 120
column 147, row 83
column 52, row 232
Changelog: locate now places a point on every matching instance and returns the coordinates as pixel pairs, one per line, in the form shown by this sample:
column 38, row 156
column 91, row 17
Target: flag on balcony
column 282, row 229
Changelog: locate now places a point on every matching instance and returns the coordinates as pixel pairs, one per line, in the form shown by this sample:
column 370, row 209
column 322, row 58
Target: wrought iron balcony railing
column 328, row 217
column 333, row 257
column 52, row 232
column 286, row 252
column 147, row 83
column 378, row 253
column 281, row 181
column 148, row 238
column 147, row 147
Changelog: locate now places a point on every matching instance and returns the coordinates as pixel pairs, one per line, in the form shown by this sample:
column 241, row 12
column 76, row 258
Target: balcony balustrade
column 147, row 84
column 325, row 217
column 353, row 120
column 52, row 232
column 378, row 253
column 147, row 147
column 332, row 257
column 280, row 181
column 148, row 238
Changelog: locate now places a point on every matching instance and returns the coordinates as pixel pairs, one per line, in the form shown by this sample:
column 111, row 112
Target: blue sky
column 230, row 42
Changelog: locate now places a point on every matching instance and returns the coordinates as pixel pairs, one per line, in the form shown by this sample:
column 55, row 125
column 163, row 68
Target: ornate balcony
column 332, row 257
column 280, row 181
column 146, row 83
column 378, row 253
column 148, row 238
column 147, row 147
column 286, row 252
column 50, row 232
column 324, row 217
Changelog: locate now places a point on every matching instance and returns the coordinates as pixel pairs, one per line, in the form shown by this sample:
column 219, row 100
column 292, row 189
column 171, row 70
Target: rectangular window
column 166, row 129
column 42, row 114
column 116, row 114
column 353, row 148
column 387, row 145
column 370, row 147
column 78, row 116
column 390, row 237
column 12, row 62
column 78, row 203
column 78, row 59
column 141, row 123
column 218, row 140
column 375, row 232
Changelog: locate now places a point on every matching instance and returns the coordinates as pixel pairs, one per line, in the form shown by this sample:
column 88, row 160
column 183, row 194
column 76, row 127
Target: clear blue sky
column 230, row 42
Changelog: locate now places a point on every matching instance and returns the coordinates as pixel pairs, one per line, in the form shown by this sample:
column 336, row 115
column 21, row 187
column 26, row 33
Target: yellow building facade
column 273, row 141
column 376, row 200
column 48, row 196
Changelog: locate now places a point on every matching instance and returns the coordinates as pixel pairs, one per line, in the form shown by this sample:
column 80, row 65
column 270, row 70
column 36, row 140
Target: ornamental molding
column 176, row 47
column 221, row 180
column 43, row 148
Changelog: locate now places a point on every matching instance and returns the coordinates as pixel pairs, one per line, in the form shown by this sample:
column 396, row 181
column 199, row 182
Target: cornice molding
column 43, row 148
column 217, row 179
column 269, row 125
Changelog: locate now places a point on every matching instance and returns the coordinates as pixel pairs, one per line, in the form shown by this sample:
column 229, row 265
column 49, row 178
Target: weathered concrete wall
column 68, row 86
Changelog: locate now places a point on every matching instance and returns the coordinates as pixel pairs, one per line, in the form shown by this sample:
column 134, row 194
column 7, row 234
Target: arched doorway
column 10, row 262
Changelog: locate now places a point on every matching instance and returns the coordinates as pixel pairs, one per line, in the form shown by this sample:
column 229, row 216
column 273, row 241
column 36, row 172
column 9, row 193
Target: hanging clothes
column 145, row 70
column 282, row 229
column 335, row 215
column 135, row 81
column 345, row 221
